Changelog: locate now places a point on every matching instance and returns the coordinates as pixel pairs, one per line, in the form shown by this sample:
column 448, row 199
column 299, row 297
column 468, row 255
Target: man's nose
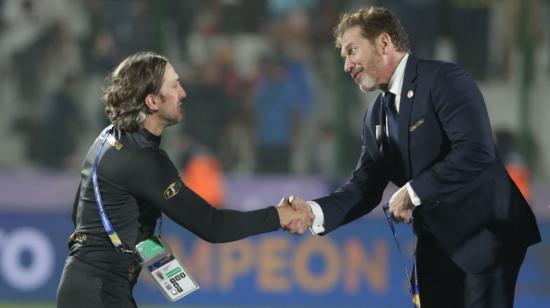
column 348, row 65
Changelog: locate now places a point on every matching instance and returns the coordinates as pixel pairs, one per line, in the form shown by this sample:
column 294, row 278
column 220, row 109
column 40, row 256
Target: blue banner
column 357, row 265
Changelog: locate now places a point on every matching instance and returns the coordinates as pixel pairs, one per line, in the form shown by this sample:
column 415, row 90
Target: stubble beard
column 174, row 118
column 367, row 84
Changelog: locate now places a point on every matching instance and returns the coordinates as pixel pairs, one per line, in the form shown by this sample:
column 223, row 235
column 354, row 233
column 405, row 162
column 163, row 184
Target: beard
column 371, row 69
column 367, row 84
column 171, row 121
column 173, row 117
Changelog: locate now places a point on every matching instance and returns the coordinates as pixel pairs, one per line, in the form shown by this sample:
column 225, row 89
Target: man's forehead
column 170, row 73
column 352, row 33
column 350, row 36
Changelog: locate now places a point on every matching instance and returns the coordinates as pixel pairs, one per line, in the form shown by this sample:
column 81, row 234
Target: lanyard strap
column 413, row 284
column 160, row 225
column 113, row 236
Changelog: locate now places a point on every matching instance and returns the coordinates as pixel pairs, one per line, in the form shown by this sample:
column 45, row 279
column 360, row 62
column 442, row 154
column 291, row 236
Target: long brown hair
column 134, row 78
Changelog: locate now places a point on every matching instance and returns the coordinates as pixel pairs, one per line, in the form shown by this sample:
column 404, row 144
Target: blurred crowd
column 262, row 76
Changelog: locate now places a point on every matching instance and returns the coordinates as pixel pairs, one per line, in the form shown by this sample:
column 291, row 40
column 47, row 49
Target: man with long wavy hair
column 137, row 182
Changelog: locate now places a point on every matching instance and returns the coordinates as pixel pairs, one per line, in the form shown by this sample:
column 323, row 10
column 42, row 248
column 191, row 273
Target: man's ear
column 151, row 102
column 384, row 42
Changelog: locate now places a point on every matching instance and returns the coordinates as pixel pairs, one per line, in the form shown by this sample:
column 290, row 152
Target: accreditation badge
column 171, row 277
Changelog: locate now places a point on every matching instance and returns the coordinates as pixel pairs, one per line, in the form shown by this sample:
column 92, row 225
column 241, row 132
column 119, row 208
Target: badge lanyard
column 413, row 284
column 113, row 236
column 173, row 280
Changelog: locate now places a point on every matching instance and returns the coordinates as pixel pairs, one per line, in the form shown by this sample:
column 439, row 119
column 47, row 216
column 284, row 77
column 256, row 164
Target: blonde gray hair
column 373, row 21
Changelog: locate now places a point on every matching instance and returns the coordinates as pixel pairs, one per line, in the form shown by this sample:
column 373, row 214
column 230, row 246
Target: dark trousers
column 443, row 284
column 83, row 285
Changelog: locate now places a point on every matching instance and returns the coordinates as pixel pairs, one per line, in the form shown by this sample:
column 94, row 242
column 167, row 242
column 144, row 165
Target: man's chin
column 173, row 121
column 366, row 87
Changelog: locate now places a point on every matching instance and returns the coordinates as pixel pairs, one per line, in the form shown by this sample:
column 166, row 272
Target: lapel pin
column 410, row 94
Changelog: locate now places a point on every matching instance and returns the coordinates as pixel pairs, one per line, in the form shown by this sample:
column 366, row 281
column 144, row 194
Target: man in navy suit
column 428, row 132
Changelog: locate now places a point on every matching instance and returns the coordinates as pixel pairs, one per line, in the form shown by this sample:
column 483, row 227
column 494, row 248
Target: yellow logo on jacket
column 173, row 189
column 112, row 140
column 416, row 125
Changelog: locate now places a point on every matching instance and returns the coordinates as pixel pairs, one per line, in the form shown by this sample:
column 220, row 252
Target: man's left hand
column 401, row 206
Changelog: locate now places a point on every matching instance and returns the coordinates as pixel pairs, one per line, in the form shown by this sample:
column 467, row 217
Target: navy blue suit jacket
column 469, row 203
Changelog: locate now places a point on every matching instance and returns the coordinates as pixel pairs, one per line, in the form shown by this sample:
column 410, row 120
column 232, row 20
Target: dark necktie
column 392, row 123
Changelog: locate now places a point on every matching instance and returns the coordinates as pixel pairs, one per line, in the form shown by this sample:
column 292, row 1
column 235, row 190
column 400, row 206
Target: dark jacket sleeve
column 360, row 194
column 463, row 117
column 155, row 181
column 75, row 204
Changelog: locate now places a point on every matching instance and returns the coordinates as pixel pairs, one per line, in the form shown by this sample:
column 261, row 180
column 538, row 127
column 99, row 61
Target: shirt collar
column 150, row 137
column 396, row 81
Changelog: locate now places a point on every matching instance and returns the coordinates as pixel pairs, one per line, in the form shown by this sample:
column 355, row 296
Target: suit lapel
column 371, row 120
column 405, row 108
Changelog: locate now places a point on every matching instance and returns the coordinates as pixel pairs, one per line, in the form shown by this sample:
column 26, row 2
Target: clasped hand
column 401, row 206
column 295, row 215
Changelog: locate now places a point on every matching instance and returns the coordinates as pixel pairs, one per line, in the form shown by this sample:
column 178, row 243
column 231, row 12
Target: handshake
column 295, row 215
